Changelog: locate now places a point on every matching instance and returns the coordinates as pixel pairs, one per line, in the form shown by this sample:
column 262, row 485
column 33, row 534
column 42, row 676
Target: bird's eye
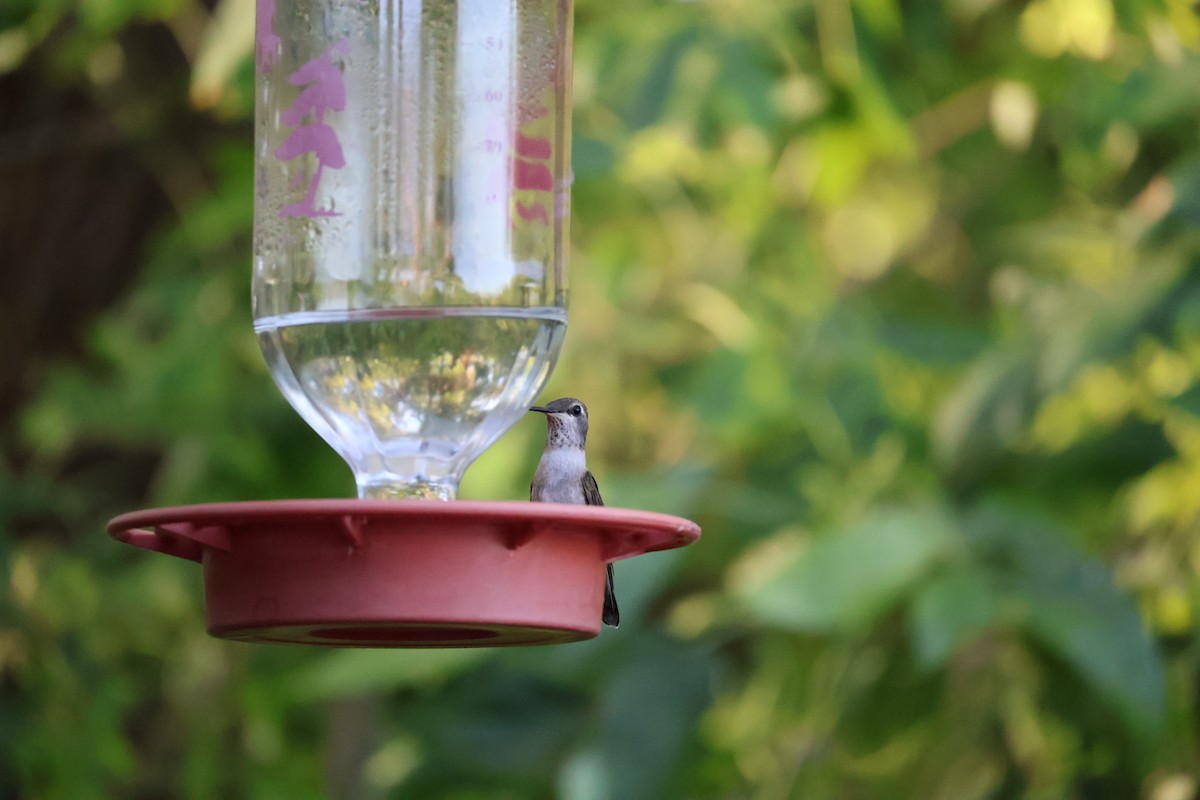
column 576, row 411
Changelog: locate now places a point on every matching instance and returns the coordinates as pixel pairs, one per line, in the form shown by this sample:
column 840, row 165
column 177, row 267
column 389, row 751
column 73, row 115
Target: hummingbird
column 562, row 475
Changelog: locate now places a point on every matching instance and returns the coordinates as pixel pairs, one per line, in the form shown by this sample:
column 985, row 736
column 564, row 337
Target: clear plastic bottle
column 411, row 219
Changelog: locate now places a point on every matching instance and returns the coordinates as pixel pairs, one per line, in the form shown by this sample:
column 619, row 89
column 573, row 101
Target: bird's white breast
column 559, row 476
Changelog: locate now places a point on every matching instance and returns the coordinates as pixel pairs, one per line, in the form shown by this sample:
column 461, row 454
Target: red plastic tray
column 408, row 573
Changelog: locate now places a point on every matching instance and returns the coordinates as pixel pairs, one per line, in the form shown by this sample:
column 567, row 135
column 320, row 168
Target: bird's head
column 567, row 421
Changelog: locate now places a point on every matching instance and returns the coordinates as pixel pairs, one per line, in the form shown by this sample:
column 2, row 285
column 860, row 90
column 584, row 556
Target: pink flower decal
column 324, row 91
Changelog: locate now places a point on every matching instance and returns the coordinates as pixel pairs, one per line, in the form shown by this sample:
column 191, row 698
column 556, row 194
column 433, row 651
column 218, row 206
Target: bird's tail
column 611, row 616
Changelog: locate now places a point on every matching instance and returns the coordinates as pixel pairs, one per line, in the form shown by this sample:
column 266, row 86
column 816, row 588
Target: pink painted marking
column 266, row 43
column 528, row 111
column 530, row 175
column 316, row 137
column 531, row 147
column 537, row 211
column 324, row 90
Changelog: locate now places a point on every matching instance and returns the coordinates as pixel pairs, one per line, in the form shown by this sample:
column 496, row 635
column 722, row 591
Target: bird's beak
column 542, row 409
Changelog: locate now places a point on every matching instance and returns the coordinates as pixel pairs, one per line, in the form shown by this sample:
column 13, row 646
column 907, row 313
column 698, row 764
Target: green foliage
column 901, row 302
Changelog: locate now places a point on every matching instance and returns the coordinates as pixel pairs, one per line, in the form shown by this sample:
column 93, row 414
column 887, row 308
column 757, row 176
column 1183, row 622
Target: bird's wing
column 591, row 492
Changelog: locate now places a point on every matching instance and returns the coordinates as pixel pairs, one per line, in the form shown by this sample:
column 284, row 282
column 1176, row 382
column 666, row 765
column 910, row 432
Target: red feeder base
column 412, row 573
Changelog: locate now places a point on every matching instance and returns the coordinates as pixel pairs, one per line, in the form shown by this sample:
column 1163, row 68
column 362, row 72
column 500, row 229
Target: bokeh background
column 899, row 300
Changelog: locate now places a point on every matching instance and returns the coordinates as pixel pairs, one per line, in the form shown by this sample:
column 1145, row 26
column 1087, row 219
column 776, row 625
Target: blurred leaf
column 1186, row 181
column 352, row 672
column 984, row 414
column 948, row 610
column 647, row 105
column 1099, row 634
column 672, row 490
column 650, row 712
column 1189, row 401
column 847, row 579
column 1074, row 610
column 590, row 157
column 932, row 343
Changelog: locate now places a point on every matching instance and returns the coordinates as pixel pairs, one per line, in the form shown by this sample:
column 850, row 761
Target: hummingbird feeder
column 412, row 197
